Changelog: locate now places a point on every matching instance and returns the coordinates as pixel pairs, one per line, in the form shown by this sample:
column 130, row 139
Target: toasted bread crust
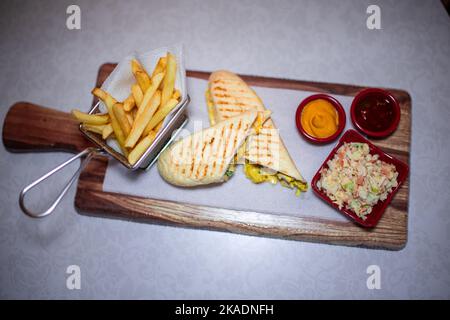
column 203, row 157
column 231, row 96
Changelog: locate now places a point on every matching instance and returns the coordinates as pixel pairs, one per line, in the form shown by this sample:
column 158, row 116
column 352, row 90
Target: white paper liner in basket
column 119, row 82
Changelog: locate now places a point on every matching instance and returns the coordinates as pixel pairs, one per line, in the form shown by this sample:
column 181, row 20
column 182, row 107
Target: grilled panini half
column 264, row 155
column 205, row 157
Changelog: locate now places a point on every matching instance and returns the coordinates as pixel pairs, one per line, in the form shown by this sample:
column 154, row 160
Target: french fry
column 143, row 119
column 137, row 94
column 120, row 137
column 160, row 66
column 136, row 66
column 141, row 147
column 96, row 128
column 122, row 118
column 95, row 119
column 110, row 102
column 158, row 126
column 143, row 80
column 169, row 80
column 148, row 130
column 156, row 80
column 140, row 74
column 103, row 95
column 176, row 94
column 107, row 131
column 161, row 113
column 129, row 103
column 130, row 117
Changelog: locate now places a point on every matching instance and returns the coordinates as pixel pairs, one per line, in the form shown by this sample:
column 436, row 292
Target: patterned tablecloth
column 42, row 61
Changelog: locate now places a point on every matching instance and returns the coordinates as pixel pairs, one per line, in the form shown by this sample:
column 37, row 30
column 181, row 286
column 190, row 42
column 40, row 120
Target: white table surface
column 43, row 62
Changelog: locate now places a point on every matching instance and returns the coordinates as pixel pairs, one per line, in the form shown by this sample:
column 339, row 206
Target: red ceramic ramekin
column 375, row 93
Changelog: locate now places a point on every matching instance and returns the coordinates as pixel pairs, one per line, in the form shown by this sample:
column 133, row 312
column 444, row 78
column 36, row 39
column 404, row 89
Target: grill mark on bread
column 215, row 151
column 224, row 95
column 198, row 170
column 265, row 134
column 223, row 102
column 237, row 134
column 228, row 90
column 230, row 129
column 192, row 168
column 235, row 94
column 201, row 161
column 264, row 141
column 230, row 110
column 219, row 144
column 197, row 142
column 213, row 168
column 203, row 151
column 192, row 156
column 232, row 83
column 226, row 80
column 235, row 103
column 209, row 155
column 262, row 148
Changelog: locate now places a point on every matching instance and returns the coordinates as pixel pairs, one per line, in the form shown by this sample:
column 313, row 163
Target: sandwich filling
column 258, row 174
column 230, row 171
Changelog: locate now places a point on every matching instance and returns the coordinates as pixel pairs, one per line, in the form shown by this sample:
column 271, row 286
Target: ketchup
column 375, row 112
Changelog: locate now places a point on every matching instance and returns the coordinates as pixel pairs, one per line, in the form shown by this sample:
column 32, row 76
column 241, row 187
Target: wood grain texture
column 30, row 127
column 390, row 233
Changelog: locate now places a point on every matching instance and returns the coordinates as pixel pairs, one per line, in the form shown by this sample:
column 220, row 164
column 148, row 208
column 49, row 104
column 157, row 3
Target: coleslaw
column 357, row 179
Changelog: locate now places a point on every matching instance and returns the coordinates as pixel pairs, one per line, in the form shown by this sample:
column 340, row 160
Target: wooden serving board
column 29, row 127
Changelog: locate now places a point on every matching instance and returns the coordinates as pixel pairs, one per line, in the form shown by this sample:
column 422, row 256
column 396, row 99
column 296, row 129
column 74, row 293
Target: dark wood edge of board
column 390, row 233
column 92, row 201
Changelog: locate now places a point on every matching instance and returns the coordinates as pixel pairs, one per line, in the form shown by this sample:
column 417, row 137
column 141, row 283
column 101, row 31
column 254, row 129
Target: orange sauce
column 320, row 119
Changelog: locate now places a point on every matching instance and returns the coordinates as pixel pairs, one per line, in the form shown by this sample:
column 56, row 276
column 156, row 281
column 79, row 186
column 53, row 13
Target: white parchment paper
column 239, row 192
